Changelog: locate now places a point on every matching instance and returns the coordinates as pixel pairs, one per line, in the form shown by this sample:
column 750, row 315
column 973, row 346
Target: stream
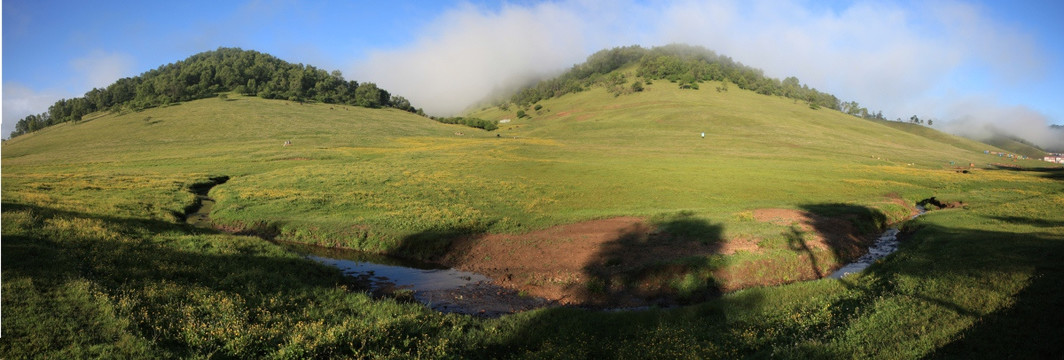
column 440, row 288
column 886, row 244
column 437, row 287
column 450, row 290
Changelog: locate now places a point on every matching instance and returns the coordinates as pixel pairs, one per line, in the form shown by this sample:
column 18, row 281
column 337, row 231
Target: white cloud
column 96, row 69
column 469, row 52
column 20, row 101
column 981, row 118
column 99, row 69
column 886, row 56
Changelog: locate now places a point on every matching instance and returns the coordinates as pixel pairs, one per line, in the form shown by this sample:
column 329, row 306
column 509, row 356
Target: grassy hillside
column 935, row 135
column 98, row 263
column 1000, row 143
column 1016, row 147
column 368, row 179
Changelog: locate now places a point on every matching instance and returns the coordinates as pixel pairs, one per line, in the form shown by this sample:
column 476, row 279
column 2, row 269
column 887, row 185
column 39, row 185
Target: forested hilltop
column 209, row 73
column 685, row 65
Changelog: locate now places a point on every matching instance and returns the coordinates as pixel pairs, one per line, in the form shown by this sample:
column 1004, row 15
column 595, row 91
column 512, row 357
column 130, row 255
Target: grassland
column 98, row 263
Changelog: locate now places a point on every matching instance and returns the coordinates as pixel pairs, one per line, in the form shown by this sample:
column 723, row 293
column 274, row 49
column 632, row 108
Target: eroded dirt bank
column 627, row 262
column 631, row 262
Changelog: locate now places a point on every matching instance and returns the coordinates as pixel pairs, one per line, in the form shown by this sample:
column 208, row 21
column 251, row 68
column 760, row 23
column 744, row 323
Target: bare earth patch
column 625, row 261
column 827, row 233
column 739, row 244
column 564, row 263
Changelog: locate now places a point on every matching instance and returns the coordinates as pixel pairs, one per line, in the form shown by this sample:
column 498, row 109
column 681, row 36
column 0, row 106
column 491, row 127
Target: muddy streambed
column 886, row 244
column 450, row 290
column 438, row 287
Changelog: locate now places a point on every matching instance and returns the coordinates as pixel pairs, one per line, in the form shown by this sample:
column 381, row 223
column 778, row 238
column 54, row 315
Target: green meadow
column 98, row 261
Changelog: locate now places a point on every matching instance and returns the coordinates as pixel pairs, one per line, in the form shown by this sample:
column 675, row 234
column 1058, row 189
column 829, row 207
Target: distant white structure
column 504, row 121
column 1055, row 158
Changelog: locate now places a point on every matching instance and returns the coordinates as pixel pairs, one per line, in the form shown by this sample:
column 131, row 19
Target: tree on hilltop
column 209, row 73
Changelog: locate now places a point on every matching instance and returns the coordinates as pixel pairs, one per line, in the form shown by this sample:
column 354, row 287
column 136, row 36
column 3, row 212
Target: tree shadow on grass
column 834, row 234
column 154, row 280
column 643, row 295
column 1005, row 285
column 434, row 243
column 1030, row 325
column 667, row 263
column 959, row 275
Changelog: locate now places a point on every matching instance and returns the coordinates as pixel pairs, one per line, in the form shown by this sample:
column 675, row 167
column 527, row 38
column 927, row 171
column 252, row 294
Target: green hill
column 999, row 143
column 1017, row 146
column 209, row 74
column 776, row 191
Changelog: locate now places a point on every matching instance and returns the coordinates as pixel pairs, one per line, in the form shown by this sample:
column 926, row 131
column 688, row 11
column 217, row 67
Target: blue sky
column 967, row 64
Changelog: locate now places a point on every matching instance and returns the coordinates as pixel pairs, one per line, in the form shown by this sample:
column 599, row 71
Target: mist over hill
column 687, row 66
column 995, row 127
column 250, row 72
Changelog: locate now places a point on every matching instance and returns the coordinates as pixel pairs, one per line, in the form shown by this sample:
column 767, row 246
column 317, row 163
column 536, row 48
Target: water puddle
column 384, row 271
column 435, row 286
column 886, row 244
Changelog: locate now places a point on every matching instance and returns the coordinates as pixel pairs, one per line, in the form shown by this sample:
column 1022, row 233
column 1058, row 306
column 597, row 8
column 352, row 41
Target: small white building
column 503, row 121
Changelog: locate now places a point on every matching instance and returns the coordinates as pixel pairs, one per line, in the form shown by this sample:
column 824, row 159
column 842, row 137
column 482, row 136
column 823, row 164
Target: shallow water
column 413, row 276
column 886, row 244
column 201, row 217
column 438, row 287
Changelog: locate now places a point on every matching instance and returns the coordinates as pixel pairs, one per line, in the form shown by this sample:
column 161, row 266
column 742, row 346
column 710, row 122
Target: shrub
column 637, row 86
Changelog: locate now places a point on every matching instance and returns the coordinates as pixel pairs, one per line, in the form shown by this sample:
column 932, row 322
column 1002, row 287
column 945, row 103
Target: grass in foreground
column 978, row 281
column 96, row 264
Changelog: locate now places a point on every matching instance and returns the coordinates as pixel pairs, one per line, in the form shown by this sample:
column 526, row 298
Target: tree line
column 489, row 125
column 208, row 73
column 682, row 64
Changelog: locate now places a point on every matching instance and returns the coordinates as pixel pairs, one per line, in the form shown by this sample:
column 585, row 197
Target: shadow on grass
column 834, row 235
column 848, row 231
column 1029, row 221
column 1032, row 327
column 433, row 243
column 158, row 280
column 1031, row 324
column 1001, row 290
column 944, row 271
column 633, row 284
column 1052, row 173
column 958, row 276
column 665, row 264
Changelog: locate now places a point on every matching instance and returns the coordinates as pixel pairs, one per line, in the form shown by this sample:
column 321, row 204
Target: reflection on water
column 438, row 287
column 382, row 270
